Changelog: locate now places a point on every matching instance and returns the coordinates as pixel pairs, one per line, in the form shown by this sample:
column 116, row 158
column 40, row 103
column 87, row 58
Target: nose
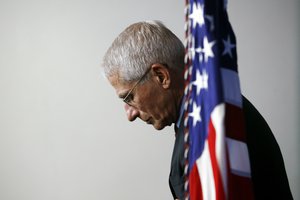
column 131, row 112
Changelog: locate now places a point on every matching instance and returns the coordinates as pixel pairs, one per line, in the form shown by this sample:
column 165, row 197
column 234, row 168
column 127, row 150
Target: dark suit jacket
column 267, row 167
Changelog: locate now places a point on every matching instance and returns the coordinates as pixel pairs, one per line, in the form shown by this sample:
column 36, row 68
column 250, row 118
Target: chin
column 160, row 126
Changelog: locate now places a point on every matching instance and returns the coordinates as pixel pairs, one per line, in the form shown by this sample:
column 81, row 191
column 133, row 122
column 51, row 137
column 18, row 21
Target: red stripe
column 234, row 123
column 195, row 184
column 240, row 188
column 220, row 192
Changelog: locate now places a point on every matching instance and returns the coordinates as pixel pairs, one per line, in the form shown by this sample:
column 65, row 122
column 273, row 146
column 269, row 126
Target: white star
column 201, row 81
column 228, row 46
column 197, row 16
column 196, row 114
column 207, row 49
column 200, row 51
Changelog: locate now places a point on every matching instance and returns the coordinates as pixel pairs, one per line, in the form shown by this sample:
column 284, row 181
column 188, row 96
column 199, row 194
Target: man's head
column 144, row 64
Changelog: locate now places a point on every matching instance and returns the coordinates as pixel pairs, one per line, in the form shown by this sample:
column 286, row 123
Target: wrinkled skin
column 156, row 101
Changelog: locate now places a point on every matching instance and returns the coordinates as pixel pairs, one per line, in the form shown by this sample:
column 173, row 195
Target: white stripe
column 218, row 116
column 231, row 87
column 238, row 157
column 206, row 174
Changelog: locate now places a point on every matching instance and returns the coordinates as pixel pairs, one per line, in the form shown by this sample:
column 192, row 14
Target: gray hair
column 138, row 47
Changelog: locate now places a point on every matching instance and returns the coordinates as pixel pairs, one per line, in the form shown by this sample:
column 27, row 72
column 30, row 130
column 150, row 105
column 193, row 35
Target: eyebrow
column 122, row 95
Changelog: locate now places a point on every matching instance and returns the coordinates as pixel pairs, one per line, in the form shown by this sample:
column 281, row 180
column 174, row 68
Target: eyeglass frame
column 135, row 85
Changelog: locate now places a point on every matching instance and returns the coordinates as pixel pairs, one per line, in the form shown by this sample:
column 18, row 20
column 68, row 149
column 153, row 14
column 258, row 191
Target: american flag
column 217, row 160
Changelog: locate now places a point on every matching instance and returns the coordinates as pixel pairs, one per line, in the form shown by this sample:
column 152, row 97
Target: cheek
column 158, row 108
column 149, row 108
column 154, row 102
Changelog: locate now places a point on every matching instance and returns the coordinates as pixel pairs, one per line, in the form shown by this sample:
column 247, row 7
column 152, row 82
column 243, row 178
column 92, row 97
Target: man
column 145, row 66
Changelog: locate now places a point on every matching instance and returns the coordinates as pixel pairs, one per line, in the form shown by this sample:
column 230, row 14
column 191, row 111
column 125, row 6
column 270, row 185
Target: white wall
column 63, row 132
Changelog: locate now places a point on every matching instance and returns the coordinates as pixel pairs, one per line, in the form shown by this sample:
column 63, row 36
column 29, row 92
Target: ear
column 161, row 75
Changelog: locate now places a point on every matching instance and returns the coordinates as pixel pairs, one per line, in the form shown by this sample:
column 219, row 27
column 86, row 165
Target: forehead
column 120, row 87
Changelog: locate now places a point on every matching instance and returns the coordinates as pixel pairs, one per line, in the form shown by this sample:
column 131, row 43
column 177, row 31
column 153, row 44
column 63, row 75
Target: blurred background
column 63, row 132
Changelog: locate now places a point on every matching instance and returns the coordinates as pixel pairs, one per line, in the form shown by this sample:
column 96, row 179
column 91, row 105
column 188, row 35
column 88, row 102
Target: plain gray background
column 63, row 132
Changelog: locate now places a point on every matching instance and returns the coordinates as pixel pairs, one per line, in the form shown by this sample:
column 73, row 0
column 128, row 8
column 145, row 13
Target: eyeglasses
column 126, row 99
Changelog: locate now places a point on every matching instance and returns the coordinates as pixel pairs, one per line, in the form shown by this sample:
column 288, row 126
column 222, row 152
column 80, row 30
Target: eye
column 128, row 99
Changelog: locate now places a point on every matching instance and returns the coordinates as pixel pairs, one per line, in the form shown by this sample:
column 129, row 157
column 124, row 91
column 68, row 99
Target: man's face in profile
column 150, row 100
